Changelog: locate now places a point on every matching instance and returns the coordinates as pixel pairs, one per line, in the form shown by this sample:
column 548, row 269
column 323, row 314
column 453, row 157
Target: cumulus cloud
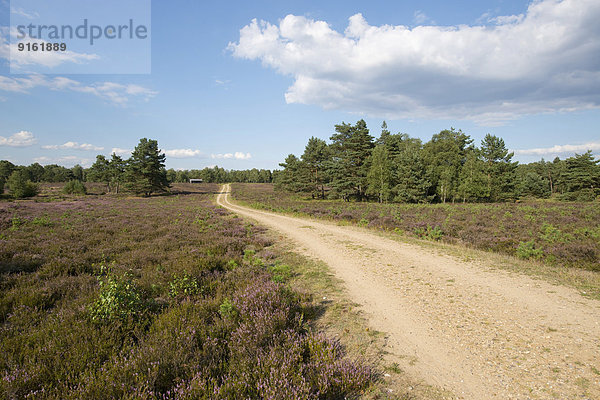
column 183, row 153
column 541, row 62
column 560, row 149
column 19, row 139
column 238, row 155
column 116, row 93
column 73, row 146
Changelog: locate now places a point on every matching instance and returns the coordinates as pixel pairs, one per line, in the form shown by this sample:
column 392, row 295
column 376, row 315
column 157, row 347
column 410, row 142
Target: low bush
column 74, row 187
column 119, row 297
column 529, row 250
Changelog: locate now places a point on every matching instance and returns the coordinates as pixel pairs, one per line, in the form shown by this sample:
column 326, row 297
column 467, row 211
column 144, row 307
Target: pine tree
column 19, row 184
column 146, row 171
column 116, row 172
column 501, row 171
column 316, row 156
column 99, row 171
column 582, row 177
column 351, row 147
column 294, row 177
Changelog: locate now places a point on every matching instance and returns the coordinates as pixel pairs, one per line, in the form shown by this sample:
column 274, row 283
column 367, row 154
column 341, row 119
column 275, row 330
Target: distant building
column 195, row 180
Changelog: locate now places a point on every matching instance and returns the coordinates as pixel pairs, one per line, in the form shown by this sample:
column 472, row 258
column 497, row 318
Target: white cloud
column 19, row 139
column 116, row 93
column 238, row 155
column 182, row 153
column 561, row 149
column 120, row 152
column 73, row 146
column 68, row 161
column 23, row 13
column 420, row 18
column 544, row 61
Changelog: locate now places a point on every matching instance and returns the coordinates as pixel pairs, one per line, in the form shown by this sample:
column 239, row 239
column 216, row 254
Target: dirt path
column 479, row 333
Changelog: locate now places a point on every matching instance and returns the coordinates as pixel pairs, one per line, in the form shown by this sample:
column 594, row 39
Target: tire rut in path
column 477, row 332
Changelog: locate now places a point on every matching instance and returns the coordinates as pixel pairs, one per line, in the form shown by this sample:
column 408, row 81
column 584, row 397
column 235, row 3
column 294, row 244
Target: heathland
column 113, row 296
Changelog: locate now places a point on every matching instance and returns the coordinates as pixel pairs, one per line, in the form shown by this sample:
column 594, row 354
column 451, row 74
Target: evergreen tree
column 100, row 171
column 409, row 173
column 559, row 170
column 19, row 184
column 385, row 134
column 582, row 177
column 316, row 156
column 116, row 172
column 57, row 173
column 380, row 174
column 293, row 177
column 501, row 171
column 146, row 171
column 36, row 173
column 78, row 172
column 6, row 168
column 351, row 147
column 533, row 184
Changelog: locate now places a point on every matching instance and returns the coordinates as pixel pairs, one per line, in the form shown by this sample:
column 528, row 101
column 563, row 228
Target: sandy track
column 477, row 332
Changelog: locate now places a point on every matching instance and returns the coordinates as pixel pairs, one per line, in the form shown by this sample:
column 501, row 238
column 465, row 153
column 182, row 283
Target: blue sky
column 243, row 84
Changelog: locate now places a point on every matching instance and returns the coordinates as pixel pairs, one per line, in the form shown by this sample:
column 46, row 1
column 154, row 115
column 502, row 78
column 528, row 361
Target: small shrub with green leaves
column 281, row 272
column 119, row 297
column 43, row 220
column 227, row 309
column 16, row 222
column 429, row 233
column 184, row 285
column 251, row 259
column 75, row 187
column 529, row 250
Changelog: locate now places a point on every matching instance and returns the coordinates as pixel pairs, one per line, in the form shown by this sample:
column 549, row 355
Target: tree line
column 144, row 173
column 447, row 168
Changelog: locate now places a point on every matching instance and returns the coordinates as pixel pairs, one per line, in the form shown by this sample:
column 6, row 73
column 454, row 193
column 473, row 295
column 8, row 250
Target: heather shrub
column 129, row 298
column 74, row 187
